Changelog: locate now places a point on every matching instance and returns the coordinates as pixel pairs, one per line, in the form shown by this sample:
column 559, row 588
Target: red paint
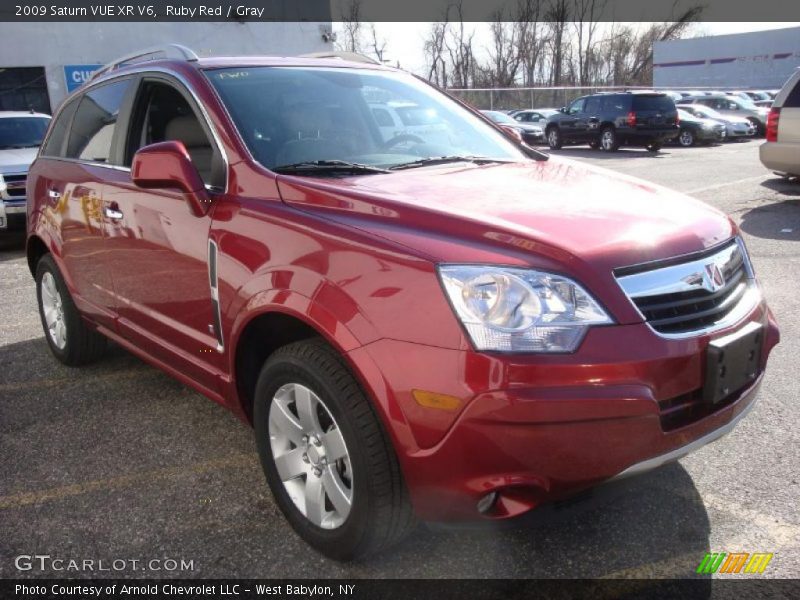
column 355, row 259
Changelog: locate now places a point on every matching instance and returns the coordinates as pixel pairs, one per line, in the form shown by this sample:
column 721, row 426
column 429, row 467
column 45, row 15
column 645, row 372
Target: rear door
column 654, row 111
column 77, row 157
column 590, row 121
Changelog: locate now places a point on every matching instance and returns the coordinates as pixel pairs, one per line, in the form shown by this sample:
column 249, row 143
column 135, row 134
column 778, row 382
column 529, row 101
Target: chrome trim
column 110, row 76
column 689, row 276
column 678, row 453
column 173, row 51
column 213, row 280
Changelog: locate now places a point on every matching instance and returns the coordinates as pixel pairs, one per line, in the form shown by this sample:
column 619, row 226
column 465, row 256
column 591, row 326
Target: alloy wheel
column 686, row 139
column 607, row 140
column 53, row 308
column 311, row 456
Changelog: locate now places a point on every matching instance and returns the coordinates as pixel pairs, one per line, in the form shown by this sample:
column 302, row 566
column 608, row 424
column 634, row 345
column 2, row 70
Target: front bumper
column 536, row 429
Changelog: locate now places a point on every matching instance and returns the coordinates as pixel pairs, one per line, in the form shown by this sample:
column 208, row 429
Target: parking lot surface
column 119, row 461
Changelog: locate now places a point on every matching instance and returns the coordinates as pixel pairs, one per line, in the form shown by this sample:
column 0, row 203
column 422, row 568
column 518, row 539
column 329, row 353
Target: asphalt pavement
column 119, row 462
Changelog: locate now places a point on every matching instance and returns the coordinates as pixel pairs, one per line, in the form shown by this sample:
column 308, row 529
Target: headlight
column 520, row 310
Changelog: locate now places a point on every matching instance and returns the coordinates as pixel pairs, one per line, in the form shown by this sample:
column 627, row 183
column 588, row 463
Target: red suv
column 428, row 320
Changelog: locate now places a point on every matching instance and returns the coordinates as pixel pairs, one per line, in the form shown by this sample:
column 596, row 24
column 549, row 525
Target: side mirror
column 167, row 165
column 513, row 132
column 563, row 109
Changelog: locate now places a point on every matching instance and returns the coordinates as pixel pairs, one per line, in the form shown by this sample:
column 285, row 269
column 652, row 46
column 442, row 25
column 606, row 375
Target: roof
column 4, row 114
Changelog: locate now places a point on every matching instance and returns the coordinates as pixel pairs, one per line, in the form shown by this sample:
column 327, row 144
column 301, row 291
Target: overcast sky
column 405, row 40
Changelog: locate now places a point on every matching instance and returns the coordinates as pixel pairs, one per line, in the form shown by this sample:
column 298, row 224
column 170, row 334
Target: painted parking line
column 727, row 183
column 23, row 499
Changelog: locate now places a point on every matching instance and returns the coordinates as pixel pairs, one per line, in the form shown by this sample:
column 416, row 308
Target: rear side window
column 54, row 146
column 657, row 103
column 615, row 103
column 95, row 121
column 793, row 99
column 592, row 105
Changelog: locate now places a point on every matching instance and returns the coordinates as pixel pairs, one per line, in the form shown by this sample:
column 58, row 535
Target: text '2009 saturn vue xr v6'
column 435, row 323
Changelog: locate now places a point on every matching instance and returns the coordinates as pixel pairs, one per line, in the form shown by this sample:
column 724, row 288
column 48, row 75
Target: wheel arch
column 35, row 249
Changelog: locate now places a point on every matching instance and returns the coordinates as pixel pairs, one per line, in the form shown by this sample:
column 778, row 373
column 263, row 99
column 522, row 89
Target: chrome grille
column 15, row 185
column 696, row 294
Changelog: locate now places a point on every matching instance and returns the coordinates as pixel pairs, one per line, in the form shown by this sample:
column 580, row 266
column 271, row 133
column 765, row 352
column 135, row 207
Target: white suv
column 781, row 151
column 21, row 134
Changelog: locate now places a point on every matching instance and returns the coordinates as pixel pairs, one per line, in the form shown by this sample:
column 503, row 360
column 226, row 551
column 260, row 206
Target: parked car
column 609, row 120
column 676, row 96
column 781, row 150
column 695, row 130
column 21, row 133
column 530, row 133
column 737, row 127
column 414, row 330
column 538, row 115
column 734, row 106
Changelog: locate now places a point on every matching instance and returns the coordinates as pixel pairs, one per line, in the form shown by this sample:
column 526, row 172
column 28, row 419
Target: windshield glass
column 746, row 104
column 290, row 115
column 22, row 132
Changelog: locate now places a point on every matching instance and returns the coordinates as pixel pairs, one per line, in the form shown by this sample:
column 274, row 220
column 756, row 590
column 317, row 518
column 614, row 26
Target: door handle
column 112, row 213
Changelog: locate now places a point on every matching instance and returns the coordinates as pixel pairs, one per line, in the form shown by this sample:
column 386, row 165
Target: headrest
column 186, row 129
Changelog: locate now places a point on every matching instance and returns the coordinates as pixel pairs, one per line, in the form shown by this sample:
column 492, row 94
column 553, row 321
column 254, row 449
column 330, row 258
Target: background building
column 757, row 60
column 41, row 63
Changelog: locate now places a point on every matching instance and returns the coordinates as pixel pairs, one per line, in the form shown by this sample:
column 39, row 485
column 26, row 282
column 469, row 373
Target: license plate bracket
column 732, row 362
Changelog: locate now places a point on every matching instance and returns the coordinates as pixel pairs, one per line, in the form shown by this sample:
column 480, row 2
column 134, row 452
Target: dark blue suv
column 609, row 120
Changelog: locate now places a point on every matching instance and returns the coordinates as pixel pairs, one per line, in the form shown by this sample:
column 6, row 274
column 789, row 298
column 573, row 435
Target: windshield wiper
column 441, row 160
column 328, row 166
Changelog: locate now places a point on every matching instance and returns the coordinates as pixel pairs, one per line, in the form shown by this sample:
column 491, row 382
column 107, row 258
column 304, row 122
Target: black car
column 695, row 130
column 610, row 120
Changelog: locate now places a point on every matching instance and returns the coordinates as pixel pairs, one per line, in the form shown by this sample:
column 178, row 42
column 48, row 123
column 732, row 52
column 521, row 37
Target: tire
column 594, row 145
column 686, row 138
column 365, row 471
column 654, row 147
column 760, row 129
column 554, row 138
column 71, row 340
column 609, row 141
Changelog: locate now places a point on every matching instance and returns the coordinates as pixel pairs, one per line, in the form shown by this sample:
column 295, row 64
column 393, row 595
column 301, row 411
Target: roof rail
column 177, row 51
column 351, row 56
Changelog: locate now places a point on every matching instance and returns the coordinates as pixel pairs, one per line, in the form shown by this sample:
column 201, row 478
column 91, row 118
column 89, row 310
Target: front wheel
column 554, row 138
column 327, row 460
column 70, row 338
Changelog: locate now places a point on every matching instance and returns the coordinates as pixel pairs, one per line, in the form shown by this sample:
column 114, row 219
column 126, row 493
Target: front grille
column 15, row 185
column 690, row 296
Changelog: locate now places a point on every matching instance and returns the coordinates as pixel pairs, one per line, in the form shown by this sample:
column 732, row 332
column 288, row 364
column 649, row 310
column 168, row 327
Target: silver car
column 781, row 151
column 736, row 127
column 21, row 134
column 734, row 106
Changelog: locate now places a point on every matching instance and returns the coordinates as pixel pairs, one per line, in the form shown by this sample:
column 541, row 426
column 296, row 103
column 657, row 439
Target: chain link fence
column 536, row 97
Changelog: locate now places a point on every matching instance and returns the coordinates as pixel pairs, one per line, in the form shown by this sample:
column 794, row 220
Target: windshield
column 746, row 104
column 22, row 132
column 290, row 115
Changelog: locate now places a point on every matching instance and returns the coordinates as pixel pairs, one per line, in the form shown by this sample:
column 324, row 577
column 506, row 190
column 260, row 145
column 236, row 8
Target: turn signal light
column 434, row 400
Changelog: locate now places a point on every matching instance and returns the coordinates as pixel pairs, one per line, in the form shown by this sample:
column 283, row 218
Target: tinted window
column 793, row 99
column 657, row 103
column 593, row 105
column 614, row 103
column 577, row 106
column 95, row 121
column 22, row 132
column 55, row 143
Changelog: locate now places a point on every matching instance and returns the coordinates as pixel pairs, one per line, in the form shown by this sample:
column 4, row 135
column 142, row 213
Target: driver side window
column 577, row 106
column 162, row 114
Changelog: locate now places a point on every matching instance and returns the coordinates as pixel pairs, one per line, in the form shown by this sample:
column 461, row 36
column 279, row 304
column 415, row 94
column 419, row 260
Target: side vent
column 213, row 282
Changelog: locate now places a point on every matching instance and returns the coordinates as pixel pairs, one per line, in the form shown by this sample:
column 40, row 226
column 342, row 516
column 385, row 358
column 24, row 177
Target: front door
column 157, row 250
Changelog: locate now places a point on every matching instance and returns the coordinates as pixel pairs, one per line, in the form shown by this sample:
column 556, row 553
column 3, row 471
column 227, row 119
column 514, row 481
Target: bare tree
column 458, row 44
column 504, row 56
column 557, row 17
column 586, row 13
column 434, row 48
column 378, row 47
column 350, row 40
column 530, row 38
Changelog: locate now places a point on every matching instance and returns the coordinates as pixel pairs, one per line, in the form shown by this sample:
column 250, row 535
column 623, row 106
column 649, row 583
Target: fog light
column 486, row 503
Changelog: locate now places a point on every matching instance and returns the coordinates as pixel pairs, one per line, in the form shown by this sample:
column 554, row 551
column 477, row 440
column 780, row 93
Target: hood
column 566, row 211
column 17, row 160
